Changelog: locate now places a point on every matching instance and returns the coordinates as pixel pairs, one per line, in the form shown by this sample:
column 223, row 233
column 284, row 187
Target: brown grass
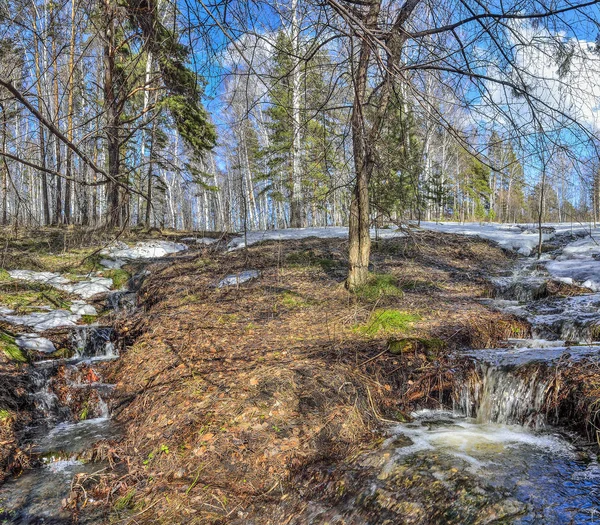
column 225, row 394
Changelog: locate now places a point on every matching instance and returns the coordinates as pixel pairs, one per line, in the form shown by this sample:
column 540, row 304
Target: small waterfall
column 93, row 341
column 45, row 401
column 504, row 394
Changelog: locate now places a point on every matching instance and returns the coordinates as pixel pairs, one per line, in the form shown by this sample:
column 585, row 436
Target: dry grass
column 225, row 394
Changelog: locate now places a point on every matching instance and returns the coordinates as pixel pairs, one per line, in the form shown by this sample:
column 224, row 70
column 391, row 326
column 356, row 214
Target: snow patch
column 201, row 240
column 238, row 278
column 109, row 264
column 82, row 308
column 143, row 250
column 35, row 342
column 41, row 321
column 50, row 278
column 518, row 238
column 328, row 232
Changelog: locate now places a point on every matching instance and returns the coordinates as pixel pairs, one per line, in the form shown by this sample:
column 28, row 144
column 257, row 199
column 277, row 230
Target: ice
column 143, row 250
column 41, row 321
column 238, row 278
column 329, row 232
column 35, row 342
column 6, row 311
column 521, row 356
column 82, row 308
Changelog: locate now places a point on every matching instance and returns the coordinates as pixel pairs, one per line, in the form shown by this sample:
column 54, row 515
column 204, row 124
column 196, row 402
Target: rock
column 238, row 278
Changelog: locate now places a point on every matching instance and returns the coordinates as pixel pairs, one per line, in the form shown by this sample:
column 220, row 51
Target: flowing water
column 64, row 426
column 493, row 457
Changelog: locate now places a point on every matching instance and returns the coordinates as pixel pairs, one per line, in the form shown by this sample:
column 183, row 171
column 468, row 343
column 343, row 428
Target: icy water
column 554, row 481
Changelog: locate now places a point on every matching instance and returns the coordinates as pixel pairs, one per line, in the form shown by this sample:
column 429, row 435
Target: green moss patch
column 389, row 321
column 379, row 285
column 119, row 277
column 10, row 348
column 432, row 348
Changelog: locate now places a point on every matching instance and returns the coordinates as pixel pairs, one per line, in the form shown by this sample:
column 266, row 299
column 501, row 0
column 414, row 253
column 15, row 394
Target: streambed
column 70, row 402
column 494, row 456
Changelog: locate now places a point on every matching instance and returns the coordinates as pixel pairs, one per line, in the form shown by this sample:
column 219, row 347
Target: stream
column 69, row 399
column 492, row 457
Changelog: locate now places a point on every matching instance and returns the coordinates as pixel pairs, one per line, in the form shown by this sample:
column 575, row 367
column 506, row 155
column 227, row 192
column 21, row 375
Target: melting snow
column 82, row 308
column 41, row 321
column 50, row 278
column 85, row 289
column 35, row 342
column 201, row 240
column 521, row 239
column 579, row 263
column 112, row 265
column 143, row 250
column 238, row 278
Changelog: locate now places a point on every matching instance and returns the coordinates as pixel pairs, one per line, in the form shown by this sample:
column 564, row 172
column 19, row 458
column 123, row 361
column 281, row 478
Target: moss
column 5, row 415
column 430, row 347
column 88, row 319
column 19, row 295
column 119, row 277
column 293, row 300
column 379, row 285
column 4, row 276
column 125, row 501
column 10, row 348
column 388, row 321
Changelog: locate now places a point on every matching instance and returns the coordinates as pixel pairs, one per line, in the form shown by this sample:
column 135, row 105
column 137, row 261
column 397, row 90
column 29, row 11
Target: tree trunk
column 69, row 160
column 112, row 122
column 296, row 208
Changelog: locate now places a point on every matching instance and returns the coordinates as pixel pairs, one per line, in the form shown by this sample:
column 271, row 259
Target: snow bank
column 579, row 262
column 143, row 250
column 329, row 232
column 518, row 238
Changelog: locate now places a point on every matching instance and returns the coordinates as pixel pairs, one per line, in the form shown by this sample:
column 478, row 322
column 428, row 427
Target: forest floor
column 227, row 395
column 232, row 400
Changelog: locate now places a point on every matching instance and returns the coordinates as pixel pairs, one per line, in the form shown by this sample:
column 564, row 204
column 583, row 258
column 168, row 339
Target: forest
column 299, row 262
column 232, row 116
